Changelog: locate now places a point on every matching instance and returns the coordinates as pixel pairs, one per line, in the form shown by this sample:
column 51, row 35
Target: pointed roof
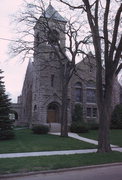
column 51, row 13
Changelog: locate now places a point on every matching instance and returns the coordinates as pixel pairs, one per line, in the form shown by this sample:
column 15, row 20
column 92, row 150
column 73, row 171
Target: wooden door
column 51, row 116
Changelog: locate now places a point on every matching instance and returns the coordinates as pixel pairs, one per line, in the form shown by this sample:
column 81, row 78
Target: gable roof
column 51, row 13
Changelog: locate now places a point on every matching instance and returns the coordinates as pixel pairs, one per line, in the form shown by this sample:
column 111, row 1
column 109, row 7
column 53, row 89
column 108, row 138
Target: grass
column 115, row 136
column 92, row 134
column 26, row 164
column 26, row 141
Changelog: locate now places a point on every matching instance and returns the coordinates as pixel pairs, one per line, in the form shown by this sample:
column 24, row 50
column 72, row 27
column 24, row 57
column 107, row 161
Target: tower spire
column 49, row 2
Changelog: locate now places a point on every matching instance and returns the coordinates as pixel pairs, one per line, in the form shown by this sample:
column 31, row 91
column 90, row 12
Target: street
column 99, row 173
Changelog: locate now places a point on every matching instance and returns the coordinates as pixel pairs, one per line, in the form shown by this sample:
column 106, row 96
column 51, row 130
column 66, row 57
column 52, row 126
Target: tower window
column 52, row 80
column 52, row 56
column 53, row 37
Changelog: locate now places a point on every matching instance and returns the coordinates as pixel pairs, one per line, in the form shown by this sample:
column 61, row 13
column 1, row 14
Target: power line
column 5, row 39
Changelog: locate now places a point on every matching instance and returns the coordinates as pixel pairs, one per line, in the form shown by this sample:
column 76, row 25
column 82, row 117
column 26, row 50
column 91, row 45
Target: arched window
column 52, row 106
column 78, row 92
column 53, row 37
column 91, row 84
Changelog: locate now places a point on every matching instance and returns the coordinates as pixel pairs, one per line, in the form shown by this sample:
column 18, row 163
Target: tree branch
column 118, row 69
column 73, row 7
column 115, row 32
column 105, row 31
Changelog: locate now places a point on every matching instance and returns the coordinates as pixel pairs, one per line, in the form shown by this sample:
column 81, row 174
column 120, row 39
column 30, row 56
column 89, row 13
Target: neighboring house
column 41, row 94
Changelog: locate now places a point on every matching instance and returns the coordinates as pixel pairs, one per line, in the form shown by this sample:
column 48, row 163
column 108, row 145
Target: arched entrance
column 53, row 113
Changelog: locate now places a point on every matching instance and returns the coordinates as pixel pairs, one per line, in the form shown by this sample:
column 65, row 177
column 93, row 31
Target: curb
column 58, row 170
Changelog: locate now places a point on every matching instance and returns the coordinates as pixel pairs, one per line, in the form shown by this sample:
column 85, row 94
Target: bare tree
column 25, row 45
column 104, row 19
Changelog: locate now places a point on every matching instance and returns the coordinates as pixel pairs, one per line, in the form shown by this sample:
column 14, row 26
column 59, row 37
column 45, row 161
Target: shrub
column 40, row 129
column 78, row 113
column 116, row 118
column 93, row 126
column 6, row 134
column 78, row 127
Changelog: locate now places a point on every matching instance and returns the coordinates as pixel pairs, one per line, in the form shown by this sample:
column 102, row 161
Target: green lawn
column 13, row 165
column 26, row 141
column 115, row 136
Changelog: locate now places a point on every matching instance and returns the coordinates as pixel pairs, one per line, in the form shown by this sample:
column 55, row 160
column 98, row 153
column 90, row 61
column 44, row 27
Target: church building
column 41, row 94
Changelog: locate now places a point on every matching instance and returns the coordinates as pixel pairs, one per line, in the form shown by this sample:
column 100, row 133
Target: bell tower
column 49, row 29
column 49, row 35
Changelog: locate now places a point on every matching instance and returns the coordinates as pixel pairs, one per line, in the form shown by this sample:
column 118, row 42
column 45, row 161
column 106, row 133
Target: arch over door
column 53, row 113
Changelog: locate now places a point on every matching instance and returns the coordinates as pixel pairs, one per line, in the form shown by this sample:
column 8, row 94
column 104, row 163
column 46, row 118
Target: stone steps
column 55, row 127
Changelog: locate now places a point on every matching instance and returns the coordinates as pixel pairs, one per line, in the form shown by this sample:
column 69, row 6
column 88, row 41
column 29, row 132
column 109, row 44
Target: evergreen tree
column 6, row 125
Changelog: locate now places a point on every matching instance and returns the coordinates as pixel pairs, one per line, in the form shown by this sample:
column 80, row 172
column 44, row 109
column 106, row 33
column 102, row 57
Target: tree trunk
column 105, row 110
column 64, row 121
column 103, row 139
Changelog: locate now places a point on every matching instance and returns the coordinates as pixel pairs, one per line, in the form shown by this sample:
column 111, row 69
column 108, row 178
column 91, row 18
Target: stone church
column 41, row 94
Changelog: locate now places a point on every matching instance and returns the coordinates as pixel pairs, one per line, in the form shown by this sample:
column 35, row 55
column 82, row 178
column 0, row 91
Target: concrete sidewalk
column 52, row 153
column 76, row 136
column 47, row 153
column 66, row 152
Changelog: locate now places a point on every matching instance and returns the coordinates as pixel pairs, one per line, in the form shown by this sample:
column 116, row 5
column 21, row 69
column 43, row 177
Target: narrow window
column 78, row 92
column 35, row 107
column 52, row 80
column 94, row 112
column 88, row 112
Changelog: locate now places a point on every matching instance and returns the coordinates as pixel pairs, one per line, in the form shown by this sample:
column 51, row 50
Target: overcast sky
column 14, row 70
